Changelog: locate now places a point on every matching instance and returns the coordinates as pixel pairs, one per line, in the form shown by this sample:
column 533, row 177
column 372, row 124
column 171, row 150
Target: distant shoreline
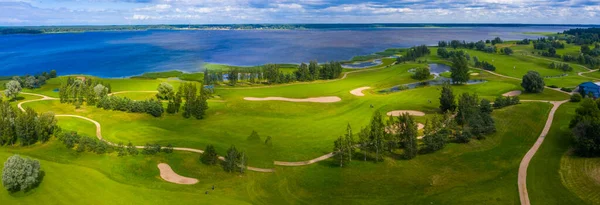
column 8, row 30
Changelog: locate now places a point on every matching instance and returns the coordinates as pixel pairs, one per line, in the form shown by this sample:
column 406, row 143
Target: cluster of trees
column 81, row 143
column 152, row 107
column 26, row 127
column 35, row 81
column 562, row 66
column 584, row 59
column 533, row 82
column 546, row 43
column 585, row 127
column 76, row 90
column 234, row 160
column 21, row 174
column 550, row 53
column 413, row 53
column 583, row 36
column 474, row 115
column 484, row 65
column 254, row 137
column 502, row 101
column 272, row 74
column 421, row 73
column 506, row 51
column 195, row 100
column 314, row 71
column 479, row 45
column 585, row 49
column 524, row 42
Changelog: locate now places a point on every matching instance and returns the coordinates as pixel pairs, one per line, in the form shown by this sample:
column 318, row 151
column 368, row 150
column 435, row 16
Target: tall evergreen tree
column 459, row 69
column 447, row 101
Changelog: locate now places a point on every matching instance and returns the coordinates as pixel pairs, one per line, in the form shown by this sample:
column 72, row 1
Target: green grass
column 544, row 176
column 459, row 174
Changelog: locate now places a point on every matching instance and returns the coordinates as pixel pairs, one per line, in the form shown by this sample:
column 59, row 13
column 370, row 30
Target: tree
column 254, row 136
column 459, row 69
column 421, row 73
column 45, row 126
column 339, row 149
column 165, row 91
column 588, row 110
column 303, row 73
column 364, row 141
column 576, row 97
column 20, row 174
column 447, row 102
column 132, row 150
column 507, row 51
column 53, row 74
column 231, row 159
column 26, row 127
column 408, row 135
column 233, row 76
column 377, row 134
column 587, row 138
column 13, row 88
column 313, row 68
column 533, row 82
column 209, row 157
column 349, row 142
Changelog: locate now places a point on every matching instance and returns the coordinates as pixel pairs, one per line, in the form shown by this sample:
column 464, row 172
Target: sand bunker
column 329, row 99
column 474, row 73
column 512, row 93
column 410, row 112
column 169, row 175
column 358, row 91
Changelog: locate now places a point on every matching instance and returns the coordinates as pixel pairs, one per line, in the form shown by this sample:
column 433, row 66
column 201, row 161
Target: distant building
column 590, row 87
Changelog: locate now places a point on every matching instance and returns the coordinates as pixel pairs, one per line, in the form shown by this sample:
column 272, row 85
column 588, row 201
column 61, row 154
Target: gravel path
column 522, row 178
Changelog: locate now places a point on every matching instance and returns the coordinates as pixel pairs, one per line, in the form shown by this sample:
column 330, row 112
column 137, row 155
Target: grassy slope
column 543, row 178
column 459, row 174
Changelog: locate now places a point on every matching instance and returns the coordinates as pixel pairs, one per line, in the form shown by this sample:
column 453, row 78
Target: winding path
column 522, row 178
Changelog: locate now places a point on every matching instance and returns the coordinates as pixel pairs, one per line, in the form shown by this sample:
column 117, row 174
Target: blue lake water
column 127, row 53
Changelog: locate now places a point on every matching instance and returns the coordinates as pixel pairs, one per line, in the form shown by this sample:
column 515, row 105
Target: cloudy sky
column 104, row 12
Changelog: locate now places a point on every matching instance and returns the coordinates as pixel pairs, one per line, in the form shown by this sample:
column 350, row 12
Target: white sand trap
column 358, row 91
column 169, row 175
column 397, row 113
column 329, row 99
column 512, row 93
column 474, row 73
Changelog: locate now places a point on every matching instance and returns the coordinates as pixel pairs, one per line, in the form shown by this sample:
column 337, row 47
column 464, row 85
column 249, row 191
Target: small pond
column 436, row 70
column 360, row 65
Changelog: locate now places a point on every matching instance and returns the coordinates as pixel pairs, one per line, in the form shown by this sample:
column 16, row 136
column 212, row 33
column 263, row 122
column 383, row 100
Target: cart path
column 522, row 178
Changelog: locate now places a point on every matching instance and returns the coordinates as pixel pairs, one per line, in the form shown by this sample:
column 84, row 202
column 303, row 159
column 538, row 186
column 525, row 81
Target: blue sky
column 109, row 12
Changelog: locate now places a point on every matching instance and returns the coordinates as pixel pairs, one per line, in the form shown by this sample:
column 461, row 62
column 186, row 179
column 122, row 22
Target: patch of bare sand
column 358, row 91
column 512, row 93
column 328, row 99
column 169, row 175
column 474, row 74
column 410, row 112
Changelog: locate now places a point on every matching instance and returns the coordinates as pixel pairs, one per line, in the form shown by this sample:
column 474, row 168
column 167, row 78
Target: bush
column 421, row 74
column 151, row 149
column 533, row 82
column 20, row 174
column 502, row 101
column 567, row 89
column 576, row 97
column 254, row 136
column 168, row 149
column 209, row 156
column 553, row 86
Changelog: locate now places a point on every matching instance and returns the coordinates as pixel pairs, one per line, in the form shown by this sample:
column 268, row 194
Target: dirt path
column 359, row 91
column 522, row 178
column 590, row 71
column 328, row 99
column 169, row 175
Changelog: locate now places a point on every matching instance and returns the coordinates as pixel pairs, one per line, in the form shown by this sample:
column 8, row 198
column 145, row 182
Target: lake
column 128, row 53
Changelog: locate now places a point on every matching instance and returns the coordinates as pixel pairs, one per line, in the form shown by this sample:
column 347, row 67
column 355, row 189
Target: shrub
column 209, row 156
column 576, row 97
column 132, row 150
column 20, row 174
column 254, row 136
column 151, row 149
column 421, row 74
column 567, row 89
column 553, row 86
column 168, row 149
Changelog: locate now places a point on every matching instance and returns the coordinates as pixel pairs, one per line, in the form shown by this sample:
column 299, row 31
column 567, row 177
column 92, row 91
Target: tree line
column 272, row 74
column 193, row 98
column 562, row 66
column 27, row 127
column 479, row 45
column 82, row 143
column 35, row 81
column 152, row 107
